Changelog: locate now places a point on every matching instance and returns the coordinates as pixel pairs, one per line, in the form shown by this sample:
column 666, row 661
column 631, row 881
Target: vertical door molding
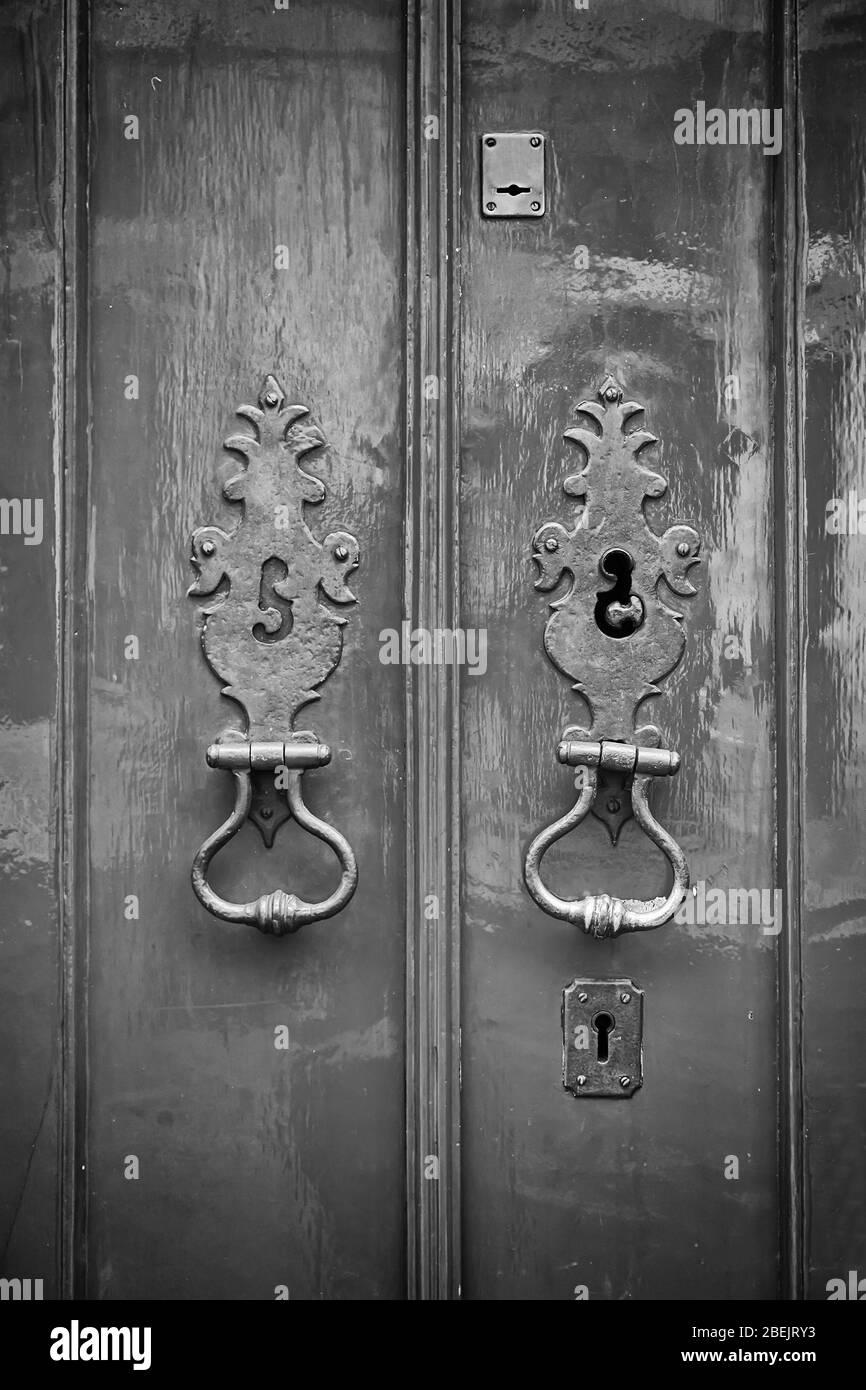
column 430, row 602
column 72, row 473
column 789, row 240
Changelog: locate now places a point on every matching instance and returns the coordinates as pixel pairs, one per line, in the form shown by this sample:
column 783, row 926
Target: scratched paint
column 626, row 1198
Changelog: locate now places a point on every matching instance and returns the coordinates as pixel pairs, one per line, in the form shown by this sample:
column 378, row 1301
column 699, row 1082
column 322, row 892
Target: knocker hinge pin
column 610, row 756
column 266, row 757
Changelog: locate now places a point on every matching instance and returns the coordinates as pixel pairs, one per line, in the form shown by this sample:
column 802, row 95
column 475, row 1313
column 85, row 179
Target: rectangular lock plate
column 602, row 1038
column 512, row 174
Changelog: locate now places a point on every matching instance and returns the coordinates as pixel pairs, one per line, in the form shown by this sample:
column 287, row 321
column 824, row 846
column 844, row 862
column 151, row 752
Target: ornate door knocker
column 271, row 641
column 615, row 637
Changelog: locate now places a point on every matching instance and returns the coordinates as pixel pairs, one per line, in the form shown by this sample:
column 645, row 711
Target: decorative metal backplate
column 615, row 636
column 268, row 636
column 272, row 639
column 616, row 669
column 602, row 1038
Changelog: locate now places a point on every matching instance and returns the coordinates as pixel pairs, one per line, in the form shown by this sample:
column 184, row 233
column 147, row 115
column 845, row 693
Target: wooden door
column 653, row 265
column 231, row 1112
column 200, row 195
column 714, row 280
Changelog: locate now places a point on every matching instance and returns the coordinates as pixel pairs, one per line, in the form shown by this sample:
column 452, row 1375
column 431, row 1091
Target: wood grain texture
column 626, row 1198
column 31, row 471
column 789, row 580
column 259, row 1167
column 833, row 66
column 432, row 527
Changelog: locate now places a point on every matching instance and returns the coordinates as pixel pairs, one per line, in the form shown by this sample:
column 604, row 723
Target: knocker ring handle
column 277, row 913
column 605, row 916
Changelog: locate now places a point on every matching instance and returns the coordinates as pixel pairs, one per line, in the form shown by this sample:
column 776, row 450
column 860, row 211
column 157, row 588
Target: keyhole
column 618, row 611
column 273, row 571
column 604, row 1025
column 513, row 189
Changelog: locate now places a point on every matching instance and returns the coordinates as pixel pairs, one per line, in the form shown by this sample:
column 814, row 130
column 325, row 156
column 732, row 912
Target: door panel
column 623, row 1199
column 30, row 967
column 277, row 1165
column 833, row 45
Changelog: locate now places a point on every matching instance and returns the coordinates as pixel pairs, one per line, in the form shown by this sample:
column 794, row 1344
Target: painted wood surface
column 30, row 470
column 832, row 70
column 622, row 1199
column 275, row 1166
column 134, row 1026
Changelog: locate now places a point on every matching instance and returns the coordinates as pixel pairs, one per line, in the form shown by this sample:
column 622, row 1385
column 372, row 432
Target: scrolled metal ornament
column 614, row 635
column 272, row 642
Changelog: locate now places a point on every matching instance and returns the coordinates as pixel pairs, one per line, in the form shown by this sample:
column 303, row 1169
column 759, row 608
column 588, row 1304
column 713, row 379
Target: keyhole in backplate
column 273, row 571
column 513, row 189
column 618, row 611
column 604, row 1025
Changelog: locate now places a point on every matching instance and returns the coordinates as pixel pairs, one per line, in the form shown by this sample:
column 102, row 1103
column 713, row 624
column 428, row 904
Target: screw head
column 271, row 398
column 490, row 140
column 582, row 998
column 208, row 548
column 551, row 543
column 341, row 552
column 625, row 1081
column 683, row 548
column 266, row 813
column 536, row 207
column 614, row 806
column 611, row 393
column 535, row 141
column 491, row 207
column 625, row 997
column 581, row 1081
